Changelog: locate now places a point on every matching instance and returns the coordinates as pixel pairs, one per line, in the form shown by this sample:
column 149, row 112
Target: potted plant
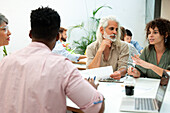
column 90, row 37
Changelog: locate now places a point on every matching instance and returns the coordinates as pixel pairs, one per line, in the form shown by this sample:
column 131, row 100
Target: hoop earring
column 165, row 40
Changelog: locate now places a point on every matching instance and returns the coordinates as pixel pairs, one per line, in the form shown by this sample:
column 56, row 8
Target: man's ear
column 57, row 37
column 30, row 34
column 101, row 30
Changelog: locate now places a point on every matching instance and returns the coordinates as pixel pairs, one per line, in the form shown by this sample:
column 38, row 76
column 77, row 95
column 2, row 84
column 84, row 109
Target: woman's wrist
column 151, row 66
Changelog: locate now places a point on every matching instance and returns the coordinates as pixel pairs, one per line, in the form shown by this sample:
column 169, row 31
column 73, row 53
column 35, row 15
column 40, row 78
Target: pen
column 88, row 78
column 94, row 78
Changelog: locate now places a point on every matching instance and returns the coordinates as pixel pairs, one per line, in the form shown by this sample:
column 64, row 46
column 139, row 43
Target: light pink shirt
column 34, row 80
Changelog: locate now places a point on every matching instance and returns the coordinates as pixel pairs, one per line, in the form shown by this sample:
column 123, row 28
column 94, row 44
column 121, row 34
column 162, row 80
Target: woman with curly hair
column 156, row 57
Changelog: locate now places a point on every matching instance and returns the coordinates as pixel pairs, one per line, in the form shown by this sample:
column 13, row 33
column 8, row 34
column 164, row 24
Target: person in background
column 35, row 80
column 155, row 57
column 108, row 50
column 128, row 39
column 4, row 31
column 61, row 48
column 132, row 50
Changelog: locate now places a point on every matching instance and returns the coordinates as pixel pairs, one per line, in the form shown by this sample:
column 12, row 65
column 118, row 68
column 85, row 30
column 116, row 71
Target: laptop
column 133, row 104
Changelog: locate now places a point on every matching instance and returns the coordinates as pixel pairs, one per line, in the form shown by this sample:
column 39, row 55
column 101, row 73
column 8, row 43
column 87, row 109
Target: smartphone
column 110, row 80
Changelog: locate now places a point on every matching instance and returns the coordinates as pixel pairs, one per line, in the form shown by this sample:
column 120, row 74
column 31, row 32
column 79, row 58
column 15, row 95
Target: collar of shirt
column 39, row 44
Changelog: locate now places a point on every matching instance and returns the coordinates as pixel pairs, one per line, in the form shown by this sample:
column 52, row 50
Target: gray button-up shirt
column 118, row 56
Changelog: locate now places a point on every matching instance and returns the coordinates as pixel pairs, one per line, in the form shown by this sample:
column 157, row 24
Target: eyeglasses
column 5, row 28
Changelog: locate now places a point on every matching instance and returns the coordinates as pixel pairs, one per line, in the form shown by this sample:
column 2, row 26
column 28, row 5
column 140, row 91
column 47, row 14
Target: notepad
column 101, row 72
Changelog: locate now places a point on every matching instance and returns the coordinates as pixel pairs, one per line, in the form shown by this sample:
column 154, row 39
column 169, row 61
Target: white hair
column 104, row 23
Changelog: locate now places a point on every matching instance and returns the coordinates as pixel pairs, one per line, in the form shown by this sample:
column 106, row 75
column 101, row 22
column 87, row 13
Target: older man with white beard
column 108, row 50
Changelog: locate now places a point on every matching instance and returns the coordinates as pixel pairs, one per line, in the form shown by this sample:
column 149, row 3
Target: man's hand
column 105, row 43
column 82, row 57
column 134, row 72
column 91, row 81
column 116, row 75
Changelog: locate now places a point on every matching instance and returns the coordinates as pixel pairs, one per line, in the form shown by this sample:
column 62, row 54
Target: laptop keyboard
column 144, row 104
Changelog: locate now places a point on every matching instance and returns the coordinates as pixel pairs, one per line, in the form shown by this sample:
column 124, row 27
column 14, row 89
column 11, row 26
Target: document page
column 101, row 72
column 168, row 73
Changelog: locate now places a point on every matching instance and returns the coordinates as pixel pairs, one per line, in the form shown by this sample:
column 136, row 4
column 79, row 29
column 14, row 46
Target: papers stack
column 101, row 72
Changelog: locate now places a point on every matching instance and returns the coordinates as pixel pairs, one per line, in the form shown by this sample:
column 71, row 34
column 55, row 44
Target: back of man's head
column 128, row 32
column 45, row 23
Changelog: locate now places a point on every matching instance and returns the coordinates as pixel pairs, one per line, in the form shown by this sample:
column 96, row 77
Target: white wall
column 165, row 9
column 130, row 13
column 150, row 7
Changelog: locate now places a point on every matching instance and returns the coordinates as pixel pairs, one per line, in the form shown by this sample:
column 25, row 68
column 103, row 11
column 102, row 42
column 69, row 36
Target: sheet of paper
column 168, row 73
column 98, row 72
column 169, row 83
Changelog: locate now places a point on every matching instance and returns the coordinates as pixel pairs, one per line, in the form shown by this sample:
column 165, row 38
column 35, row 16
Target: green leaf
column 5, row 51
column 95, row 11
column 80, row 26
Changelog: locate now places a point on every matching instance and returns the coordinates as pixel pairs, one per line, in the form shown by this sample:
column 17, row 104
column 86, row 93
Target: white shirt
column 60, row 50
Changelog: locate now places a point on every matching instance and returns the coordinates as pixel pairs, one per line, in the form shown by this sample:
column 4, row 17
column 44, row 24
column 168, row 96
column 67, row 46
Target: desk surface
column 81, row 65
column 113, row 93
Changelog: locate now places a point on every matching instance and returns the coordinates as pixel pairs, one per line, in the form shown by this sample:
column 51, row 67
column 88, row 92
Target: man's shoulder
column 133, row 41
column 123, row 44
column 93, row 45
column 58, row 57
column 60, row 60
column 58, row 44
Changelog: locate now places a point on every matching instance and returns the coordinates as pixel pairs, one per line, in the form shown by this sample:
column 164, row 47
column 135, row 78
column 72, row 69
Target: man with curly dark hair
column 156, row 57
column 35, row 80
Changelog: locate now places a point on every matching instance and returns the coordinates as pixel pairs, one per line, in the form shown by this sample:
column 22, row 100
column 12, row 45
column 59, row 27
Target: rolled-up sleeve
column 90, row 53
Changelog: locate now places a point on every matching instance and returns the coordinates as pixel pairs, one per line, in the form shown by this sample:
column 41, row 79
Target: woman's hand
column 141, row 62
column 134, row 72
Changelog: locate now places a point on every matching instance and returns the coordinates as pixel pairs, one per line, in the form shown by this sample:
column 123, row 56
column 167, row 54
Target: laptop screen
column 162, row 89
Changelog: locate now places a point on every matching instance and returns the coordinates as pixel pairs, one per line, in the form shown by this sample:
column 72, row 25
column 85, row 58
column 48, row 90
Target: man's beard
column 108, row 37
column 63, row 39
